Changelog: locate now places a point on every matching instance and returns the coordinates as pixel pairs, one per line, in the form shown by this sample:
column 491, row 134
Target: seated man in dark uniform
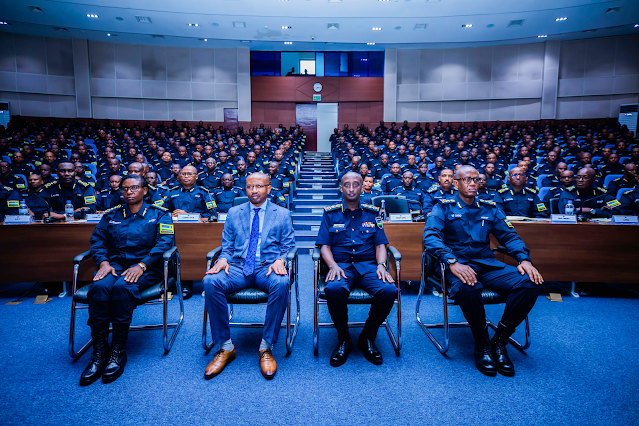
column 629, row 180
column 211, row 177
column 484, row 193
column 457, row 232
column 389, row 183
column 111, row 196
column 224, row 196
column 423, row 180
column 414, row 196
column 9, row 201
column 127, row 246
column 628, row 203
column 589, row 201
column 445, row 190
column 36, row 197
column 67, row 188
column 353, row 246
column 517, row 200
column 566, row 180
column 368, row 192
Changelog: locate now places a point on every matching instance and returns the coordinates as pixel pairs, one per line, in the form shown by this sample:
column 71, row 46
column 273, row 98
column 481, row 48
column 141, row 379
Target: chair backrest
column 554, row 206
column 240, row 200
column 542, row 192
column 540, row 179
column 621, row 191
column 610, row 178
column 393, row 203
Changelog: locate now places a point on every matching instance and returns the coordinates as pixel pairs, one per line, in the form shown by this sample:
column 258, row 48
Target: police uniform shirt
column 124, row 239
column 550, row 181
column 628, row 203
column 543, row 169
column 9, row 201
column 593, row 198
column 108, row 198
column 522, row 203
column 15, row 181
column 366, row 197
column 617, row 184
column 224, row 198
column 609, row 169
column 352, row 235
column 486, row 194
column 156, row 195
column 553, row 192
column 164, row 171
column 193, row 200
column 434, row 194
column 390, row 182
column 415, row 197
column 381, row 170
column 81, row 194
column 280, row 183
column 254, row 168
column 423, row 183
column 172, row 183
column 210, row 181
column 413, row 169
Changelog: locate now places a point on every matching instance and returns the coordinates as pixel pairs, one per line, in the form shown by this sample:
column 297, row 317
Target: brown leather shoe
column 267, row 364
column 221, row 359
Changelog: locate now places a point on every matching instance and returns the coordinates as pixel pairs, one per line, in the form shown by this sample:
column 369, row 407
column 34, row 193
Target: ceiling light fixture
column 144, row 19
column 111, row 35
column 4, row 23
column 286, row 27
column 467, row 25
column 194, row 25
column 288, row 42
column 239, row 24
column 636, row 25
column 542, row 36
column 561, row 19
column 377, row 28
column 90, row 15
column 370, row 44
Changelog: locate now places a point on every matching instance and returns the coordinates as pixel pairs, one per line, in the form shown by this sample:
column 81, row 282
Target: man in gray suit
column 256, row 237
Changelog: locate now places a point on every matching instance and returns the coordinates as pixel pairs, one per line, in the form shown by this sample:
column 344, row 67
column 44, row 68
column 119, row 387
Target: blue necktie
column 249, row 262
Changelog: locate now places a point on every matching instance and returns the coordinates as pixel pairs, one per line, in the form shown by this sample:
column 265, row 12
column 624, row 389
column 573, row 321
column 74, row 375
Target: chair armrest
column 315, row 254
column 169, row 254
column 82, row 257
column 291, row 255
column 210, row 256
column 396, row 254
column 503, row 250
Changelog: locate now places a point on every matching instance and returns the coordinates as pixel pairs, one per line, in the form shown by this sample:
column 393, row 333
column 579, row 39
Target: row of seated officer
column 256, row 238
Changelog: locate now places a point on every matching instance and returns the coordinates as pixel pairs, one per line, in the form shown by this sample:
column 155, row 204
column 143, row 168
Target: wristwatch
column 143, row 266
column 383, row 264
column 451, row 260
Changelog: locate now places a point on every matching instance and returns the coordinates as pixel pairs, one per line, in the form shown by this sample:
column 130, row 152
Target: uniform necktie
column 249, row 262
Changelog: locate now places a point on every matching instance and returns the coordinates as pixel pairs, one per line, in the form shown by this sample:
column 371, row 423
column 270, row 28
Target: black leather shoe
column 340, row 353
column 500, row 355
column 187, row 291
column 370, row 351
column 99, row 359
column 483, row 360
column 115, row 368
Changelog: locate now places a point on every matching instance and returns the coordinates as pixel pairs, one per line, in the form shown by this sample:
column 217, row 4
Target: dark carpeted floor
column 580, row 370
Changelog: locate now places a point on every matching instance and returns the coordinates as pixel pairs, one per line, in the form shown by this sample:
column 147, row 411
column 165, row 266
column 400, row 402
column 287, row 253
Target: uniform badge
column 166, row 229
column 380, row 223
column 13, row 203
column 541, row 207
column 510, row 225
column 159, row 203
column 89, row 200
column 19, row 185
column 338, row 225
column 613, row 203
column 211, row 205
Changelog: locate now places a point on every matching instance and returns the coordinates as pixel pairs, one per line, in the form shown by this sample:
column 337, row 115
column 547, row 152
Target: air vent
column 628, row 108
column 144, row 19
column 60, row 29
column 612, row 10
column 157, row 36
column 35, row 9
column 516, row 23
column 420, row 27
column 332, row 26
column 239, row 24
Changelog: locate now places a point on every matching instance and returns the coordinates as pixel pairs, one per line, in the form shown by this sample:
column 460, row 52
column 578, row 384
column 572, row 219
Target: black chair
column 240, row 200
column 394, row 203
column 149, row 296
column 554, row 206
column 357, row 297
column 255, row 296
column 489, row 297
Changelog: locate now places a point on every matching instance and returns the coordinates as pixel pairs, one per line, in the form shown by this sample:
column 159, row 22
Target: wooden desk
column 585, row 252
column 582, row 252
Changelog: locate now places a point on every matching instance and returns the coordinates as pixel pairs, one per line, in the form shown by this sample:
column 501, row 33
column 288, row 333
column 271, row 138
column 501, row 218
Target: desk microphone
column 47, row 219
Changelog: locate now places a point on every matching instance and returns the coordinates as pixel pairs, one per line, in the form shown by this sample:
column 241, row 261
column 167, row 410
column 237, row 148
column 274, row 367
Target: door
column 306, row 116
column 326, row 125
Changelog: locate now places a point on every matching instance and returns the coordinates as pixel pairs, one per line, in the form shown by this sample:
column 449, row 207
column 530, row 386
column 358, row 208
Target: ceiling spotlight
column 288, row 42
column 542, row 36
column 561, row 19
column 377, row 28
column 108, row 34
column 370, row 44
column 467, row 25
column 194, row 25
column 636, row 25
column 90, row 15
column 5, row 23
column 286, row 27
column 206, row 39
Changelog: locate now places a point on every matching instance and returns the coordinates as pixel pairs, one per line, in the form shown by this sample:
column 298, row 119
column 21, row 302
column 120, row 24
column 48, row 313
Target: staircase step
column 307, row 226
column 307, row 216
column 317, row 185
column 309, row 236
column 313, row 210
column 297, row 202
column 309, row 192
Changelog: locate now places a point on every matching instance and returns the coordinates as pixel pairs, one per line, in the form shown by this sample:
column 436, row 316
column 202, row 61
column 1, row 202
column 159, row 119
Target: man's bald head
column 352, row 175
column 464, row 171
column 136, row 168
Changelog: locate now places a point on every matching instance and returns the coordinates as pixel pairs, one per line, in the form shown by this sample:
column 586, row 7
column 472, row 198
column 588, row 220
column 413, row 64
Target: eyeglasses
column 468, row 180
column 252, row 187
column 134, row 188
column 187, row 174
column 581, row 177
column 516, row 175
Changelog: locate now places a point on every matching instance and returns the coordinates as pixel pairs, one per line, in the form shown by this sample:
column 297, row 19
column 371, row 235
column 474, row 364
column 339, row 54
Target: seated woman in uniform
column 127, row 246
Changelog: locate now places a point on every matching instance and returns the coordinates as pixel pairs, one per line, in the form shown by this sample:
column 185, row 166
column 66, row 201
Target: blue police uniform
column 390, row 182
column 423, row 183
column 415, row 197
column 15, row 181
column 81, row 194
column 352, row 236
column 616, row 184
column 240, row 181
column 380, row 170
column 434, row 194
column 156, row 195
column 37, row 201
column 486, row 194
column 9, row 201
column 628, row 203
column 164, row 171
column 366, row 197
column 193, row 200
column 210, row 181
column 455, row 230
column 108, row 198
column 522, row 203
column 124, row 239
column 224, row 198
column 594, row 198
column 553, row 192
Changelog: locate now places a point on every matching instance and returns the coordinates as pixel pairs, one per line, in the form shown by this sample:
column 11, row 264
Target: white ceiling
column 308, row 20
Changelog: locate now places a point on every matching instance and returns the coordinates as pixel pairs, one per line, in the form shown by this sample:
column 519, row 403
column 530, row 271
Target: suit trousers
column 217, row 286
column 337, row 292
column 522, row 295
column 112, row 300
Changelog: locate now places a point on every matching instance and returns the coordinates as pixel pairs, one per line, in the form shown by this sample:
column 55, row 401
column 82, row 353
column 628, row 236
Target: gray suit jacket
column 277, row 234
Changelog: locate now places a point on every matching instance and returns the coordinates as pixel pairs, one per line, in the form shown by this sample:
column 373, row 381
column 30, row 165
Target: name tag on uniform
column 14, row 219
column 622, row 220
column 191, row 217
column 563, row 218
column 93, row 218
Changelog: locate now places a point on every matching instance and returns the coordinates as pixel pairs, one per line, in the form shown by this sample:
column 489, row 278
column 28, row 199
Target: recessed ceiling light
column 332, row 26
column 420, row 27
column 561, row 19
column 542, row 36
column 467, row 25
column 239, row 24
column 288, row 42
column 334, row 1
column 246, row 41
column 370, row 44
column 516, row 23
column 636, row 25
column 194, row 25
column 286, row 27
column 377, row 28
column 112, row 35
column 384, row 0
column 4, row 23
column 144, row 19
column 91, row 15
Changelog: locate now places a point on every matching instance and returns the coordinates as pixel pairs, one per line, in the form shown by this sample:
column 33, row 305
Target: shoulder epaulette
column 164, row 209
column 492, row 203
column 53, row 182
column 570, row 188
column 628, row 192
column 432, row 189
column 7, row 188
column 447, row 200
column 502, row 190
column 370, row 207
column 604, row 190
column 333, row 207
column 112, row 209
column 534, row 191
column 83, row 183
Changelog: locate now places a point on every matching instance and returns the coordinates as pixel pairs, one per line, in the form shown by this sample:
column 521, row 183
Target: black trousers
column 522, row 295
column 337, row 292
column 112, row 300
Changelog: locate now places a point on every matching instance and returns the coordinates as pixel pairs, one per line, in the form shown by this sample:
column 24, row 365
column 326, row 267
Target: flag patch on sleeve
column 166, row 229
column 13, row 203
column 89, row 200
